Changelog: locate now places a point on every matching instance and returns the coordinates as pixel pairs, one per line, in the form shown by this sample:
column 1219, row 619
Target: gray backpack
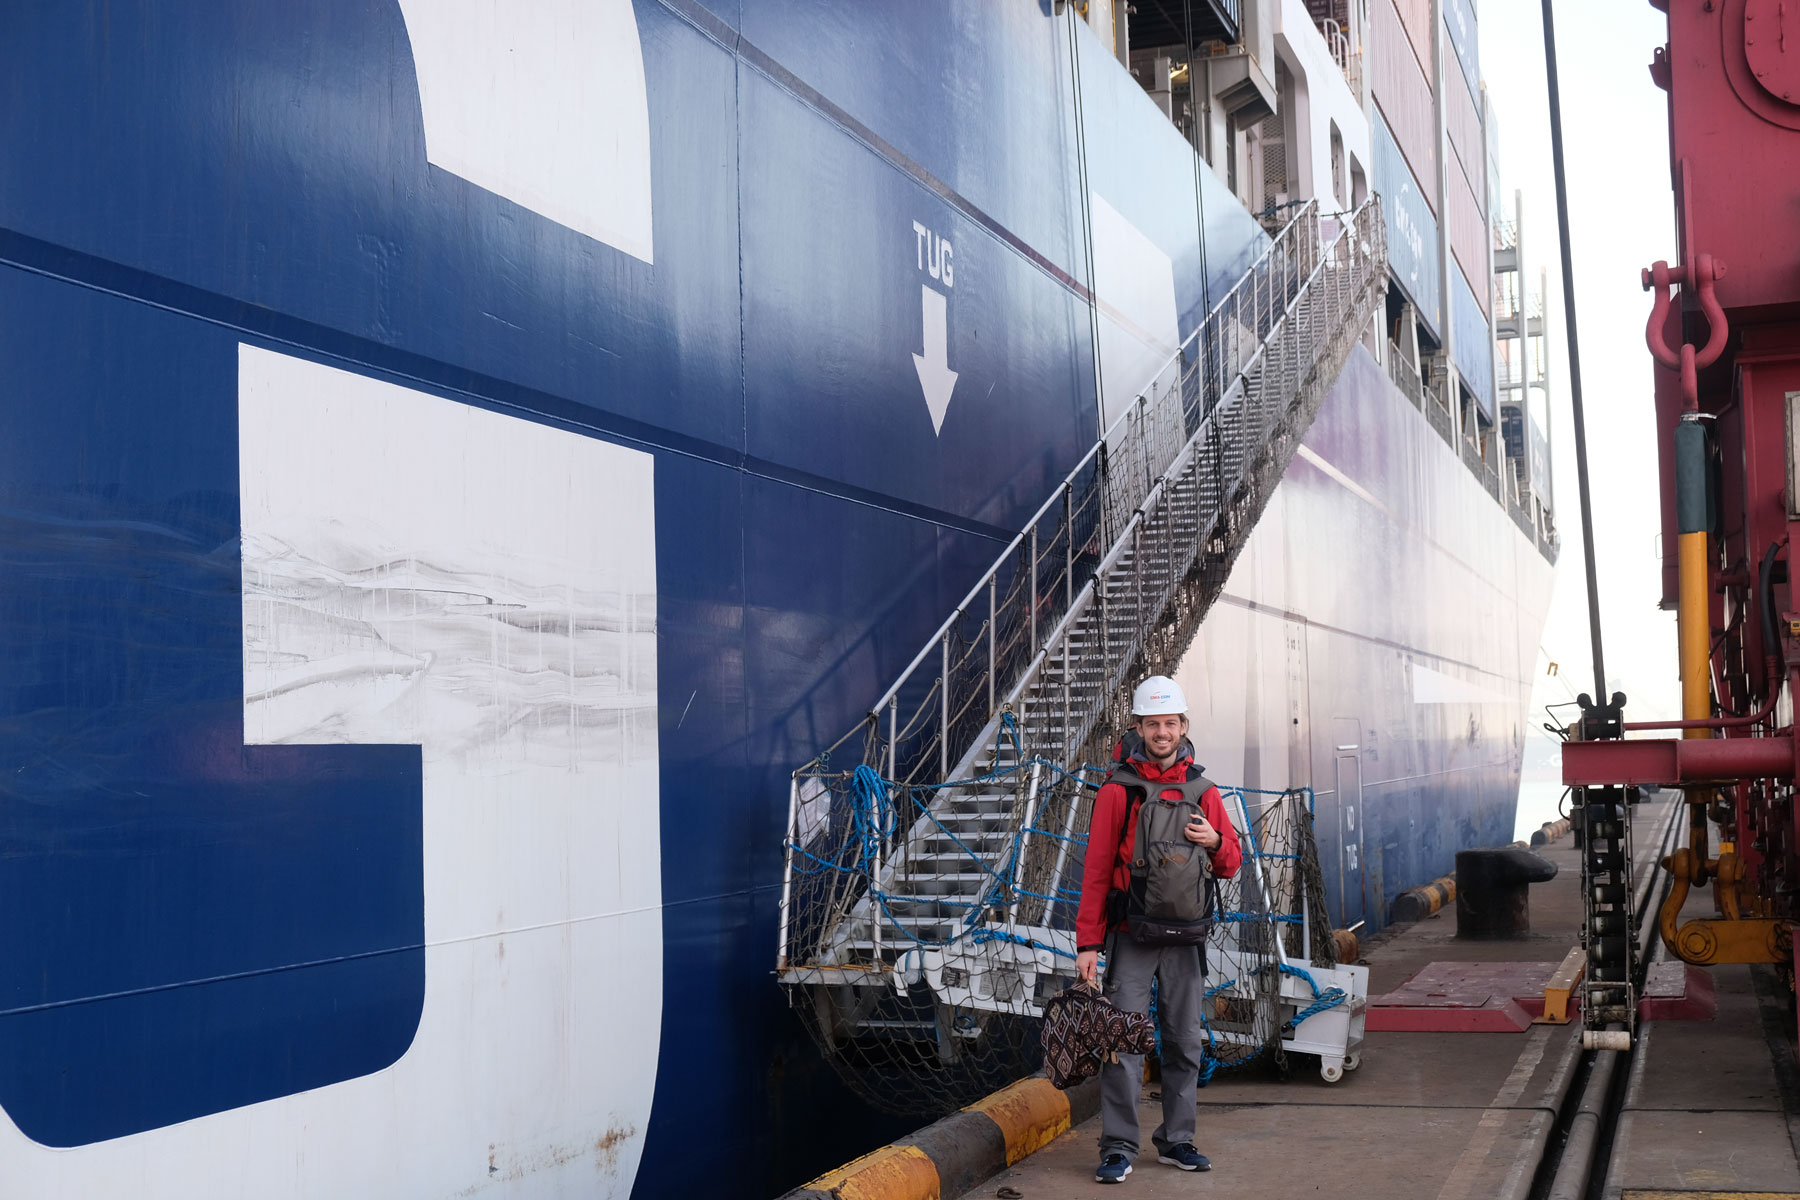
column 1173, row 897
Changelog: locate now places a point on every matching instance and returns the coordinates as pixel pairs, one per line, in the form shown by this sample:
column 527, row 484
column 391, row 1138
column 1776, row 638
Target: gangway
column 928, row 892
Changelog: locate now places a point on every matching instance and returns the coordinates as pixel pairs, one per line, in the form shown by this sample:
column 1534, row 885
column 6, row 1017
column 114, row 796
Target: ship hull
column 434, row 530
column 1375, row 644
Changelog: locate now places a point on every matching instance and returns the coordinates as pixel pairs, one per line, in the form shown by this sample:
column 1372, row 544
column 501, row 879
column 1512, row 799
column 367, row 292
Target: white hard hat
column 1157, row 696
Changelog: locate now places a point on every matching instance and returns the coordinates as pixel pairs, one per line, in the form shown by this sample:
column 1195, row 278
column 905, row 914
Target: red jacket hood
column 1131, row 747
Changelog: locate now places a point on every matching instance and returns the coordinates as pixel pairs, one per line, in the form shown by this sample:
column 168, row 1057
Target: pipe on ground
column 1577, row 1165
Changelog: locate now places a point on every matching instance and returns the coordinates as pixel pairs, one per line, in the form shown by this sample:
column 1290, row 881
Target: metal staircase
column 927, row 902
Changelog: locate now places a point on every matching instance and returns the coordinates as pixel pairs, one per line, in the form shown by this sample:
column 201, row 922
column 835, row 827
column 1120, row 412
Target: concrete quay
column 1707, row 1104
column 1709, row 1107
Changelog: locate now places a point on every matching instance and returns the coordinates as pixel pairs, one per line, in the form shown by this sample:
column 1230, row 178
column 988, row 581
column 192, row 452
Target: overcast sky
column 1615, row 137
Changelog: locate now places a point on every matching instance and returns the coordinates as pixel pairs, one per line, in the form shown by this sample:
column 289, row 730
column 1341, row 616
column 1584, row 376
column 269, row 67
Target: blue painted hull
column 197, row 926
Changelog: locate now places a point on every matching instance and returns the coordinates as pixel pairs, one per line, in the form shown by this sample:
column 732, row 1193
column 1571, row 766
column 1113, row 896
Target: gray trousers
column 1180, row 992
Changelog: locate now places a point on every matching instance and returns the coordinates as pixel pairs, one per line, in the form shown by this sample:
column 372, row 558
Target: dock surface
column 1454, row 1115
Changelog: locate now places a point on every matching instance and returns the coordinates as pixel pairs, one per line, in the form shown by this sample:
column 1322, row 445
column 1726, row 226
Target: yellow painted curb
column 961, row 1150
column 890, row 1173
column 1031, row 1114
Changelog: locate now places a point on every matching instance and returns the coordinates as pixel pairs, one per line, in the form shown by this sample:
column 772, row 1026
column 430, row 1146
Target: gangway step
column 944, row 883
column 939, row 844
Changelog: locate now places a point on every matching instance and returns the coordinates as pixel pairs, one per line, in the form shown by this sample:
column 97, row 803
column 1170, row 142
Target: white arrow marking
column 935, row 375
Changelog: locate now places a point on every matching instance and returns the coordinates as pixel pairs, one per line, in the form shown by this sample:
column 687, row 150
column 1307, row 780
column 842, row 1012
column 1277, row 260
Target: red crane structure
column 1724, row 329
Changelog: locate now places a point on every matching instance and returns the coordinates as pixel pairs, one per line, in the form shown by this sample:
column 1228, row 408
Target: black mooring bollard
column 1492, row 900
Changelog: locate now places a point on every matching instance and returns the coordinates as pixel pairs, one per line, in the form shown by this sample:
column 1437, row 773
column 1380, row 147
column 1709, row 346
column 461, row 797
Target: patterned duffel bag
column 1083, row 1030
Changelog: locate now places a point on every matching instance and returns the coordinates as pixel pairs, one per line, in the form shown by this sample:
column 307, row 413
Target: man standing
column 1155, row 788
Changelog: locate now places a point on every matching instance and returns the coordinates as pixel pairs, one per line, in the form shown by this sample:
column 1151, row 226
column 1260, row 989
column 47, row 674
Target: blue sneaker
column 1183, row 1155
column 1114, row 1167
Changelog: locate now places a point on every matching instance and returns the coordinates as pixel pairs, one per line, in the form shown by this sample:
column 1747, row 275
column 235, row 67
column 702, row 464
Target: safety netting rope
column 935, row 920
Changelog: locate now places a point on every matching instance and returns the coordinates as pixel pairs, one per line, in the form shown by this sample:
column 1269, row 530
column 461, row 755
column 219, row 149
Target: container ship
column 520, row 524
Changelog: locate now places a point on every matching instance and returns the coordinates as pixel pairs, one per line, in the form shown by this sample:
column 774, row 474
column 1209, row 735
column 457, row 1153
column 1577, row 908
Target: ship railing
column 1405, row 376
column 1548, row 540
column 1437, row 413
column 1071, row 602
column 1227, row 10
column 1483, row 456
column 1519, row 504
column 1343, row 53
column 1147, row 597
column 1469, row 446
column 1491, row 459
column 1483, row 460
column 1428, row 400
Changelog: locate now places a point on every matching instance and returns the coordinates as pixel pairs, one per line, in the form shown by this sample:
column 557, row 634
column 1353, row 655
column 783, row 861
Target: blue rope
column 871, row 812
column 981, row 936
column 943, row 900
column 1328, row 999
column 824, row 865
column 1010, row 729
column 1210, row 1064
column 875, row 819
column 1061, row 894
column 996, row 774
column 1073, row 841
column 1071, row 776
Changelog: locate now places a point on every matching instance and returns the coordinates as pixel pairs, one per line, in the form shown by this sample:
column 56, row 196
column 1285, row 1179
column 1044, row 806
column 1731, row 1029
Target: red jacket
column 1109, row 857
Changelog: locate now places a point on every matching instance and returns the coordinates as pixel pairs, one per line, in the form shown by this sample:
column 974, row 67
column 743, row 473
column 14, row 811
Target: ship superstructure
column 1340, row 673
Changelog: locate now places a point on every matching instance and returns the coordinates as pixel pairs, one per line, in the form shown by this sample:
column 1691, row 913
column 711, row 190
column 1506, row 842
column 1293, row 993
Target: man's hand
column 1087, row 965
column 1200, row 832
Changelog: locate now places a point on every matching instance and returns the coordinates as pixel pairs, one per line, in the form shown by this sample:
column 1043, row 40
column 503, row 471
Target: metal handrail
column 1310, row 208
column 1094, row 500
column 1405, row 376
column 1124, row 543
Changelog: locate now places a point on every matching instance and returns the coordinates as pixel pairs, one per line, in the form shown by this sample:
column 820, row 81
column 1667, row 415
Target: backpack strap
column 1137, row 790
